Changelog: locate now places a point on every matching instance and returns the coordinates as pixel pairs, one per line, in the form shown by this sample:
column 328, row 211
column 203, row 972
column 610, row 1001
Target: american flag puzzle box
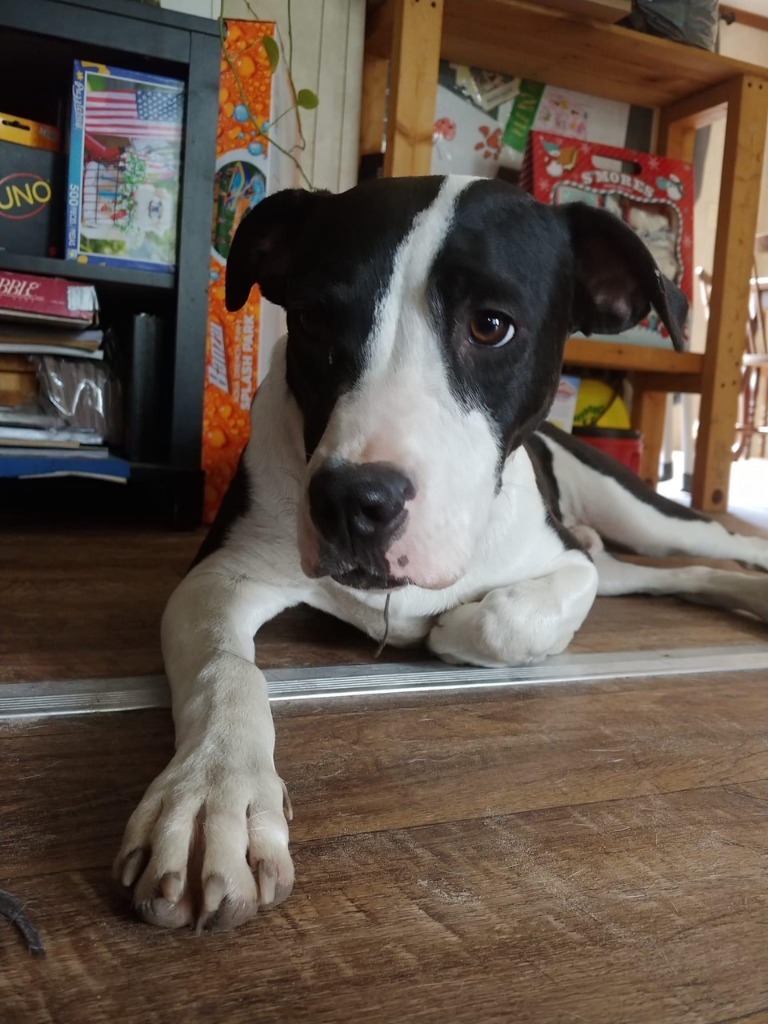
column 124, row 167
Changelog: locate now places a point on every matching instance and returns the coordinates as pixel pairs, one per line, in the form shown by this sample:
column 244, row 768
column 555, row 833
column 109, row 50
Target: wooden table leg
column 649, row 410
column 416, row 36
column 373, row 106
column 744, row 101
column 734, row 246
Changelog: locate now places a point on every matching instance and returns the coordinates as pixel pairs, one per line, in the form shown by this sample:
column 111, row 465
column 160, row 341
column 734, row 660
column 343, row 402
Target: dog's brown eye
column 491, row 329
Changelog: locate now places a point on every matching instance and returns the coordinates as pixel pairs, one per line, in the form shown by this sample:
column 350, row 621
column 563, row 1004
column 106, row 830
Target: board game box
column 652, row 194
column 31, row 190
column 248, row 167
column 124, row 167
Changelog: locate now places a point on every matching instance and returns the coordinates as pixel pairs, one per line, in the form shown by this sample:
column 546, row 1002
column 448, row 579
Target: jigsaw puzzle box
column 124, row 167
column 652, row 194
column 248, row 167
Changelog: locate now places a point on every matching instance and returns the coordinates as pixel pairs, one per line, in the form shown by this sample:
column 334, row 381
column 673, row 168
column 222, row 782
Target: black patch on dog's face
column 507, row 254
column 548, row 271
column 340, row 267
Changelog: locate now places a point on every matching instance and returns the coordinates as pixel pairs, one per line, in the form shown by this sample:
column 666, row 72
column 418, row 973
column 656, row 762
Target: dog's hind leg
column 598, row 491
column 734, row 591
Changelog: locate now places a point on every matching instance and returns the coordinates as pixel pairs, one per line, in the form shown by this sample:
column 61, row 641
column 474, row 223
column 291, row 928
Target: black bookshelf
column 39, row 40
column 115, row 276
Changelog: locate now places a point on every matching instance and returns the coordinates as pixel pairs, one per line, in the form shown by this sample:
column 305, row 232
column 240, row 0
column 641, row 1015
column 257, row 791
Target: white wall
column 327, row 58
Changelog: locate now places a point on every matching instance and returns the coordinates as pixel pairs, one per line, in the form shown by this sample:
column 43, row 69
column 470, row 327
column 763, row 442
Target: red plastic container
column 624, row 445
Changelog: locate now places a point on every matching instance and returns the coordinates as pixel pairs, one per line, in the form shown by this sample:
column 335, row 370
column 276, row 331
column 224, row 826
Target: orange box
column 247, row 168
column 24, row 132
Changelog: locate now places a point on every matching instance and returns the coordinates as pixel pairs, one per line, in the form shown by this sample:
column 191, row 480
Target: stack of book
column 48, row 317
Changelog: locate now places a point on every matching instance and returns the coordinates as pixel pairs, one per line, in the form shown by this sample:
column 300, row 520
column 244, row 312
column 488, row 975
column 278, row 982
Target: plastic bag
column 82, row 392
column 686, row 21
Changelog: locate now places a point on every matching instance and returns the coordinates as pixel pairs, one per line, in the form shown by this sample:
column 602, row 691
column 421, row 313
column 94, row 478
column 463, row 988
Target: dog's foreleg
column 208, row 844
column 520, row 623
column 734, row 591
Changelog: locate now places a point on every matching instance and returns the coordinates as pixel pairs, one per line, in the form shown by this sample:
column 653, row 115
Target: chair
column 754, row 362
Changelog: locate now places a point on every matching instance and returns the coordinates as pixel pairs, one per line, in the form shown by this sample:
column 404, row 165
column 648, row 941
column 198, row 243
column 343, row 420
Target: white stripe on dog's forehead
column 401, row 312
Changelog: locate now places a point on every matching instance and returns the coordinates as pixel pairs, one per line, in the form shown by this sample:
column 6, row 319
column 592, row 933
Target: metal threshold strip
column 81, row 696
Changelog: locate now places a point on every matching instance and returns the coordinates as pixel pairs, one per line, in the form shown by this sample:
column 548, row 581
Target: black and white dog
column 398, row 449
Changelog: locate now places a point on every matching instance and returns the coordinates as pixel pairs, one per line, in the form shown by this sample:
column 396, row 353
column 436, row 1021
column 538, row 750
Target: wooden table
column 689, row 88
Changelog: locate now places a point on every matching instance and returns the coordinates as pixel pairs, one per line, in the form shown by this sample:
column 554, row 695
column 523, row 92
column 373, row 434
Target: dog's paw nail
column 267, row 886
column 214, row 891
column 282, row 891
column 287, row 808
column 171, row 886
column 132, row 867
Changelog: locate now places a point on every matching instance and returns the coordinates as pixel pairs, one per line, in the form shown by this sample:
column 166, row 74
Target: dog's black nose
column 353, row 504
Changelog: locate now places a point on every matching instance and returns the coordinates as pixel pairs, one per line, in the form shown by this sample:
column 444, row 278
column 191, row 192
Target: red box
column 652, row 194
column 52, row 300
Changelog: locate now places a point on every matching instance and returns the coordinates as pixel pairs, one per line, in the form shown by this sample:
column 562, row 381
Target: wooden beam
column 532, row 41
column 649, row 410
column 414, row 71
column 700, row 109
column 615, row 355
column 609, row 11
column 378, row 30
column 740, row 17
column 373, row 108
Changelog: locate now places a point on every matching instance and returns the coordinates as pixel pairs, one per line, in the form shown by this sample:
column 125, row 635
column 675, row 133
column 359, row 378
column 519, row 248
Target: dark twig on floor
column 12, row 909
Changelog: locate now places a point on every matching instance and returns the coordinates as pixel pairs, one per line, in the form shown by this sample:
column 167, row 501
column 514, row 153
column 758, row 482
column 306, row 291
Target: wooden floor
column 88, row 604
column 585, row 853
column 590, row 852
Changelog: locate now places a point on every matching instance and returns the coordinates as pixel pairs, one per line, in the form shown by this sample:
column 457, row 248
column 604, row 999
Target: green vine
column 303, row 99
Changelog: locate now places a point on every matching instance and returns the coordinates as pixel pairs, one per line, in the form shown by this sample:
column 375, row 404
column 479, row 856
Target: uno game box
column 30, row 187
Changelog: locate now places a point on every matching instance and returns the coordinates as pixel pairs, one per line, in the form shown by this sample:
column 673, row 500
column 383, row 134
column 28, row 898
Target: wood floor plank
column 68, row 793
column 89, row 605
column 586, row 852
column 641, row 910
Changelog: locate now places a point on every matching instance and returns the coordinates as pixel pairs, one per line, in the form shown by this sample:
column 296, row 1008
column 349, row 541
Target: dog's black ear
column 617, row 280
column 261, row 249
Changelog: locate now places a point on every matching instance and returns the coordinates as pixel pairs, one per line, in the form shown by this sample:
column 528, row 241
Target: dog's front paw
column 497, row 632
column 208, row 845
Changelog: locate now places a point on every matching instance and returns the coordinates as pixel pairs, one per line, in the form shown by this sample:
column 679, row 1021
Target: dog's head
column 426, row 325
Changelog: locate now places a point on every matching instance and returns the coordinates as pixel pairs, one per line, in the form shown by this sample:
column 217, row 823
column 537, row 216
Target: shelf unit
column 122, row 277
column 39, row 39
column 689, row 88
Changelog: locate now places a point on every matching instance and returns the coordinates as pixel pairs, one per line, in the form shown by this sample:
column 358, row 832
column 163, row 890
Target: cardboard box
column 240, row 344
column 52, row 300
column 31, row 188
column 124, row 167
column 652, row 194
